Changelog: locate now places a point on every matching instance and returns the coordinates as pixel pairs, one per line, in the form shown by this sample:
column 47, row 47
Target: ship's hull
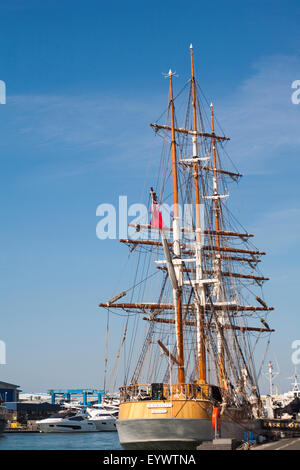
column 185, row 430
column 177, row 434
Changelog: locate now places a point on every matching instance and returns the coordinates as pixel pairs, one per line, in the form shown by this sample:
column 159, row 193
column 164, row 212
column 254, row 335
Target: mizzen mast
column 216, row 201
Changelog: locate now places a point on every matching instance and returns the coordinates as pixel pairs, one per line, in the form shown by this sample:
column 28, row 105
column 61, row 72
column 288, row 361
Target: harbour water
column 63, row 441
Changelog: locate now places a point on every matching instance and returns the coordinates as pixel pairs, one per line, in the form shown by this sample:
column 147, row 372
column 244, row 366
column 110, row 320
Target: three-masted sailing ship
column 195, row 367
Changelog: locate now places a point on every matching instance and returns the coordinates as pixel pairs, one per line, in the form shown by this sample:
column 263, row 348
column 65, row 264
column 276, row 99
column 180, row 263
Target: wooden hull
column 182, row 424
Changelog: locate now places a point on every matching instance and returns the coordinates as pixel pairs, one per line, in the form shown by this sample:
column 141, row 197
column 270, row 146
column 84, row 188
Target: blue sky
column 84, row 79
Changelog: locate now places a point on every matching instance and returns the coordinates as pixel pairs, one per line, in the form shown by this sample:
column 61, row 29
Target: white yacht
column 104, row 418
column 67, row 422
column 90, row 419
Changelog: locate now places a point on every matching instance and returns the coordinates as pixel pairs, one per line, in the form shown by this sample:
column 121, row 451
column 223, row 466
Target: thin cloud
column 260, row 117
column 283, row 230
column 105, row 129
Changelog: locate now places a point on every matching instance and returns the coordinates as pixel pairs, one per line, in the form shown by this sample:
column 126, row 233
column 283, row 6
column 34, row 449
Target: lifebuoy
column 216, row 419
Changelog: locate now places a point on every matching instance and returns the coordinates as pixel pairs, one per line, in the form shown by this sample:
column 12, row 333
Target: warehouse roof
column 7, row 385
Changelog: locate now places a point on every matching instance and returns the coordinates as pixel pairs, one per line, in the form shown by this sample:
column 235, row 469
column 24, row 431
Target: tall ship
column 196, row 308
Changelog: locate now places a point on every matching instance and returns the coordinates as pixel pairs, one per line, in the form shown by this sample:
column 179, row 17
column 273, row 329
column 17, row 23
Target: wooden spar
column 188, row 131
column 206, row 247
column 233, row 250
column 170, row 306
column 234, row 258
column 143, row 242
column 223, row 273
column 143, row 305
column 227, row 327
column 226, row 233
column 117, row 297
column 167, row 352
column 194, row 92
column 187, row 229
column 188, row 162
column 173, row 145
column 176, row 244
column 169, row 321
column 230, row 258
column 243, row 276
column 224, row 172
column 200, row 320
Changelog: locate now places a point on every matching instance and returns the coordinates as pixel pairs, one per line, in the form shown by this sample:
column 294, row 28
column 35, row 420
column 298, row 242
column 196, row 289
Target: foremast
column 177, row 296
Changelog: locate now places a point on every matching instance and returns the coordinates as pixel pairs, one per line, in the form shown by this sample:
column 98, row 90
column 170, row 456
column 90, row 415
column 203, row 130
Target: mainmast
column 216, row 201
column 199, row 272
column 215, row 186
column 177, row 295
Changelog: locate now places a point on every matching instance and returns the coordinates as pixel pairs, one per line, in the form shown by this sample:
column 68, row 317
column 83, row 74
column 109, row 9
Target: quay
column 232, row 444
column 282, row 444
column 276, row 434
column 25, row 409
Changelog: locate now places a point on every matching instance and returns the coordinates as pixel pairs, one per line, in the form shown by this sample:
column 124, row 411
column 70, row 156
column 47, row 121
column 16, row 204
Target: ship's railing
column 163, row 391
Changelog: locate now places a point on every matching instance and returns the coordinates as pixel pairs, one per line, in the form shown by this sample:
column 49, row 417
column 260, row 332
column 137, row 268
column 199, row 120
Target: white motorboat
column 104, row 418
column 70, row 422
column 90, row 419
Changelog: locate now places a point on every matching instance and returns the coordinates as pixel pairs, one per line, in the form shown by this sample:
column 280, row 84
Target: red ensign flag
column 156, row 219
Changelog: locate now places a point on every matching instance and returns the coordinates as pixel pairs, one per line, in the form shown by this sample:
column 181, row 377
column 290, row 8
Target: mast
column 216, row 201
column 199, row 273
column 271, row 377
column 215, row 186
column 176, row 245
